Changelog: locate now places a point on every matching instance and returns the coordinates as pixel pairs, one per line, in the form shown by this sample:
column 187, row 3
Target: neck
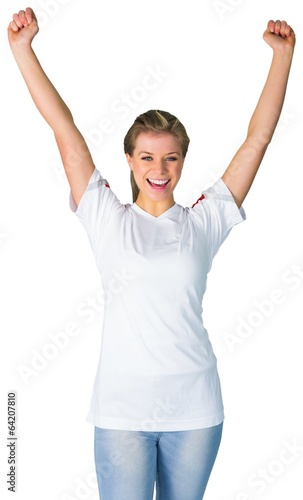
column 152, row 207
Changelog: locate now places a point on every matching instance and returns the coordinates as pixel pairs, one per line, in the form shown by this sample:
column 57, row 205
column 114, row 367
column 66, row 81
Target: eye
column 147, row 158
column 171, row 158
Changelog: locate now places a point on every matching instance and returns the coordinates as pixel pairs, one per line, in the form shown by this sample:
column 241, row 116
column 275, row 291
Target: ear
column 129, row 160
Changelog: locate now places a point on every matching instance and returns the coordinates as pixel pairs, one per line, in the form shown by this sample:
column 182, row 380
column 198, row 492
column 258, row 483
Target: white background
column 211, row 63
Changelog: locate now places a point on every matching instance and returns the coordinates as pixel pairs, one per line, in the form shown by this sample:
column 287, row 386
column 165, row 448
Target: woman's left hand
column 279, row 34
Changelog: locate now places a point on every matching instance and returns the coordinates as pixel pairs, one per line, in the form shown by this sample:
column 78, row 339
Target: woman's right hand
column 23, row 28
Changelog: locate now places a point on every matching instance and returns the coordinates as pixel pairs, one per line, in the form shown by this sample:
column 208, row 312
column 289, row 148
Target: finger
column 277, row 27
column 29, row 14
column 283, row 28
column 23, row 18
column 13, row 26
column 271, row 26
column 288, row 31
column 17, row 21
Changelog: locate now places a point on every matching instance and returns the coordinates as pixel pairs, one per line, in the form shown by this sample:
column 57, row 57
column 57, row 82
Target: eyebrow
column 147, row 153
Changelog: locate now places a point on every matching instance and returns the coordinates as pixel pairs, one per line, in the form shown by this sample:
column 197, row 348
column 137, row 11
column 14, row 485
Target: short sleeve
column 96, row 208
column 218, row 213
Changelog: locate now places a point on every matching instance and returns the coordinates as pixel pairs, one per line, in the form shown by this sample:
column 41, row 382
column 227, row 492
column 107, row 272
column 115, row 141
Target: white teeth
column 159, row 181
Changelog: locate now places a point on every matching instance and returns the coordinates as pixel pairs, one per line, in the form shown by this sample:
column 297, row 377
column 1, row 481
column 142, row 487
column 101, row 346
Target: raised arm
column 74, row 152
column 241, row 172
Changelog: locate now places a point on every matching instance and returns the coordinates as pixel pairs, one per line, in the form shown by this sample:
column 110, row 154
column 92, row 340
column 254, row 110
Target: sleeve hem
column 95, row 181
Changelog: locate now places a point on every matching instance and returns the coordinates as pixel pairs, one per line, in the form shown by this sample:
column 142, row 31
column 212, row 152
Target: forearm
column 76, row 157
column 242, row 169
column 267, row 112
column 45, row 96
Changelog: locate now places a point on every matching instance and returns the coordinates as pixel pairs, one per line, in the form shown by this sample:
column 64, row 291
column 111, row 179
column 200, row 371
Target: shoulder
column 216, row 203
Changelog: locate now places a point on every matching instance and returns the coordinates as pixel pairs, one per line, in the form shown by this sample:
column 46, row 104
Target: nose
column 160, row 167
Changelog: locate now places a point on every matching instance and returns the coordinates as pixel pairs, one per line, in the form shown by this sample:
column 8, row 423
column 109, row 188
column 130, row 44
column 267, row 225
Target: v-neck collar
column 165, row 214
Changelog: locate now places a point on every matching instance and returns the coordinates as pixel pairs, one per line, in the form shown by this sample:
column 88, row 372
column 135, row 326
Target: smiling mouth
column 158, row 182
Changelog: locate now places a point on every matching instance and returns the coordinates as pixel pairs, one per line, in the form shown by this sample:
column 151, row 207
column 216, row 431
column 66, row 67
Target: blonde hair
column 159, row 122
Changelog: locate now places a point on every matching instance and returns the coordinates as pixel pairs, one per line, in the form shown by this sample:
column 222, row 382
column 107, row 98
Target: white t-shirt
column 157, row 370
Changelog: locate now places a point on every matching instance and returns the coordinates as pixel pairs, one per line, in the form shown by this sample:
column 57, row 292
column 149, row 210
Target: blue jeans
column 128, row 463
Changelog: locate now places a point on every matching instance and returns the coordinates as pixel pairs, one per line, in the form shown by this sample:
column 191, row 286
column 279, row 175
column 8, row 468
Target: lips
column 158, row 184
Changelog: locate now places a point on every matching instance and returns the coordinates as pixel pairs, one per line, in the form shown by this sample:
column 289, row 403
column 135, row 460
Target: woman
column 156, row 404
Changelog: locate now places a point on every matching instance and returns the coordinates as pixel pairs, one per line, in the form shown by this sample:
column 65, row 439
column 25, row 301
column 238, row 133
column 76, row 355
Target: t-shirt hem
column 153, row 426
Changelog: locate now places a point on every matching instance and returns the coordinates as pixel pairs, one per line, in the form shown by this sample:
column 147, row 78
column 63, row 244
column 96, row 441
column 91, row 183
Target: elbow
column 259, row 140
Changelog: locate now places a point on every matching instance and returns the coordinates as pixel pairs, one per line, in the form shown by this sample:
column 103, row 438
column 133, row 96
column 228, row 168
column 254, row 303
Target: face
column 157, row 163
